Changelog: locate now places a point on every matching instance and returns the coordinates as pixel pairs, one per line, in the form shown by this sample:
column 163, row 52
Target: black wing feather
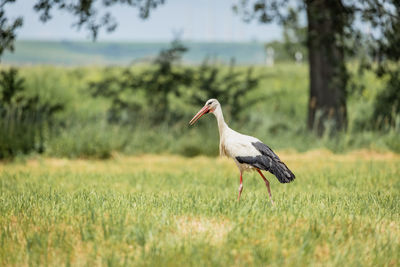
column 268, row 161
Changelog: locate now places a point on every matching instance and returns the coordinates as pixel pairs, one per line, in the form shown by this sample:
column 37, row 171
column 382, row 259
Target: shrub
column 24, row 119
column 166, row 81
column 387, row 103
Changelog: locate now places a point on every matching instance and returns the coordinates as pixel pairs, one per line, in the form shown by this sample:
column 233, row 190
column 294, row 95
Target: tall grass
column 95, row 139
column 20, row 133
column 279, row 119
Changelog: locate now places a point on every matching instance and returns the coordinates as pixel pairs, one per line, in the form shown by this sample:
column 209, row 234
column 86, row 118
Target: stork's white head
column 210, row 106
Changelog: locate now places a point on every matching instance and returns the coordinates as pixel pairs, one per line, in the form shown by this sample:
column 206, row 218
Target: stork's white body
column 248, row 152
column 233, row 144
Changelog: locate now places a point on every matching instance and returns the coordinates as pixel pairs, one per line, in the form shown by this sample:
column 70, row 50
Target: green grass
column 279, row 119
column 342, row 210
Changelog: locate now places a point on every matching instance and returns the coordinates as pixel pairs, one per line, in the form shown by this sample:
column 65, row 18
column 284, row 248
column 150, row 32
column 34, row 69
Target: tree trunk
column 328, row 75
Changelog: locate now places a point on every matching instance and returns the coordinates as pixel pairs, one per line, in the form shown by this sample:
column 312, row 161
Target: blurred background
column 87, row 78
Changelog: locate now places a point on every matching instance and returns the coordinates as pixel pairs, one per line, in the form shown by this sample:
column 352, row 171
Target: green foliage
column 387, row 103
column 23, row 119
column 156, row 84
column 84, row 129
column 8, row 28
column 93, row 16
column 10, row 85
column 384, row 58
column 231, row 87
column 165, row 81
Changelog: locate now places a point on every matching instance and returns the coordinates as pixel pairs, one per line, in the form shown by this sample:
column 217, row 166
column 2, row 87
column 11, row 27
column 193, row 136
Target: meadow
column 275, row 111
column 99, row 167
column 165, row 210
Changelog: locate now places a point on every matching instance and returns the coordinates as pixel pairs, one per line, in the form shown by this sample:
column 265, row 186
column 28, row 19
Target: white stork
column 248, row 152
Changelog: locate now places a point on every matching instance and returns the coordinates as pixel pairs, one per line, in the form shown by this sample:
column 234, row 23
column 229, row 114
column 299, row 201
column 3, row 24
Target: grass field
column 169, row 210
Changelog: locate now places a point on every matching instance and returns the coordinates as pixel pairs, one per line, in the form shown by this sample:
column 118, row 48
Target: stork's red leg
column 240, row 186
column 267, row 184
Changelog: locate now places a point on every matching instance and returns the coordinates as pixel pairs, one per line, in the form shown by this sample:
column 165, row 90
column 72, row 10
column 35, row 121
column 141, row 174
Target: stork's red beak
column 202, row 111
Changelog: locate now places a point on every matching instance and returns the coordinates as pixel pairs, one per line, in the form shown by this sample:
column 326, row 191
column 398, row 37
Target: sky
column 195, row 20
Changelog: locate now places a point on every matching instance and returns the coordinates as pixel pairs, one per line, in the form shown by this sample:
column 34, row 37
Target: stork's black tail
column 268, row 161
column 282, row 172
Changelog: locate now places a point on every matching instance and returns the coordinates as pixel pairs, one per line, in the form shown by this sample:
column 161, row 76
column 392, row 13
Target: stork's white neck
column 222, row 126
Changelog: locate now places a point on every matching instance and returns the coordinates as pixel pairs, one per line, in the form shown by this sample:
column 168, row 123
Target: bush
column 387, row 103
column 24, row 119
column 160, row 85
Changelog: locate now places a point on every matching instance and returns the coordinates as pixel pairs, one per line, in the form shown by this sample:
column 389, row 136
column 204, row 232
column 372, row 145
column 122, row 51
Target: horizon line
column 141, row 41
